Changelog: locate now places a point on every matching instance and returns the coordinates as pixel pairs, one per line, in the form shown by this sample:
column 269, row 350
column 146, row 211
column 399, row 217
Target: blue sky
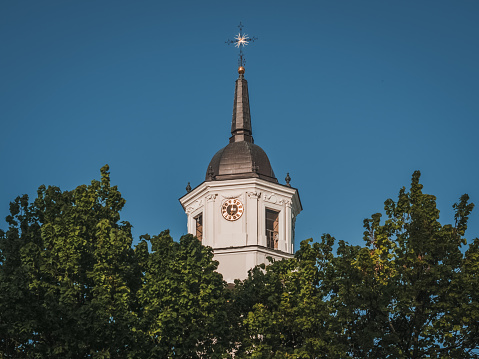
column 349, row 97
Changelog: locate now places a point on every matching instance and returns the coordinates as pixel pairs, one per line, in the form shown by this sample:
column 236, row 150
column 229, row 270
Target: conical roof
column 241, row 158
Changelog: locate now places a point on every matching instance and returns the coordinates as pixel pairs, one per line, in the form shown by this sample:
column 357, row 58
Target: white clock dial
column 232, row 209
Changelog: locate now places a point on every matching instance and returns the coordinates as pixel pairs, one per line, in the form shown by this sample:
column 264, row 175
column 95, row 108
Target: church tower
column 241, row 210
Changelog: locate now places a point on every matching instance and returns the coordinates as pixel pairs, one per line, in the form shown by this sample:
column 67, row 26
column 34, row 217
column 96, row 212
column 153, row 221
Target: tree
column 68, row 275
column 182, row 300
column 411, row 292
column 283, row 309
column 72, row 285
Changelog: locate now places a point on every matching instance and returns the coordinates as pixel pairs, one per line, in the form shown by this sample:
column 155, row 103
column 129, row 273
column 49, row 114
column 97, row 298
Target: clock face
column 232, row 209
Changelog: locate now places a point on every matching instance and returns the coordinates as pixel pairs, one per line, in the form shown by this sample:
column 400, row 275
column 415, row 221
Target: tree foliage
column 68, row 274
column 409, row 292
column 283, row 309
column 72, row 285
column 182, row 300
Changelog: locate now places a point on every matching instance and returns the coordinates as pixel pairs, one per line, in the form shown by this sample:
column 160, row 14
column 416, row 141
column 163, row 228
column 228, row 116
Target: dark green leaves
column 409, row 292
column 72, row 286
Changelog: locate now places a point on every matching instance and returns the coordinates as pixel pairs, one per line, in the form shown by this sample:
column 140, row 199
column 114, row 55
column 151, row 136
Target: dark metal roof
column 241, row 158
column 241, row 124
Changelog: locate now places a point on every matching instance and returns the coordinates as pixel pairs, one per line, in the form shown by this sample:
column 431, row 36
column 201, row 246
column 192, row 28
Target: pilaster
column 288, row 227
column 209, row 219
column 252, row 217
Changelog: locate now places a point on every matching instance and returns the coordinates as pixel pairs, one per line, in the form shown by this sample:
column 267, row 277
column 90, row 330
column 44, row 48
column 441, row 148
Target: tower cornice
column 242, row 185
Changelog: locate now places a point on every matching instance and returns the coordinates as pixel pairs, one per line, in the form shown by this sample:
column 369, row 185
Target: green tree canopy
column 283, row 309
column 182, row 300
column 72, row 285
column 68, row 274
column 410, row 292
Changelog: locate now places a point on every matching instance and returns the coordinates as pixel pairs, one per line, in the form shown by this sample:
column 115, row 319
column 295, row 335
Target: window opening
column 272, row 228
column 199, row 226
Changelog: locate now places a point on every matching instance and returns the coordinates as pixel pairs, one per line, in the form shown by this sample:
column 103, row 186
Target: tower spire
column 241, row 123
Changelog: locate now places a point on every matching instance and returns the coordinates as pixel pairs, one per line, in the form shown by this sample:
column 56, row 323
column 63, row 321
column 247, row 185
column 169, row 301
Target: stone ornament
column 211, row 197
column 255, row 195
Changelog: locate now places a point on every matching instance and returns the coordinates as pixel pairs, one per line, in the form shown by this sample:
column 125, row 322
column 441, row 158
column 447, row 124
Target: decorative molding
column 270, row 198
column 231, row 197
column 194, row 206
column 285, row 202
column 255, row 195
column 211, row 197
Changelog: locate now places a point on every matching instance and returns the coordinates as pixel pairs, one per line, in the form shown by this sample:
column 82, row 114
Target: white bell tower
column 241, row 210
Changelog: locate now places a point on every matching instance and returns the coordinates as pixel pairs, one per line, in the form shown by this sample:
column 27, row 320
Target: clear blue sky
column 349, row 97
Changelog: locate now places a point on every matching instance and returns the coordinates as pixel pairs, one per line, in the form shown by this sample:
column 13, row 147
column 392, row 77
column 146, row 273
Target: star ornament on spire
column 240, row 41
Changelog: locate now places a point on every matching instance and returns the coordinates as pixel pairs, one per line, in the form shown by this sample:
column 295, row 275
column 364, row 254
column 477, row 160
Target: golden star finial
column 240, row 41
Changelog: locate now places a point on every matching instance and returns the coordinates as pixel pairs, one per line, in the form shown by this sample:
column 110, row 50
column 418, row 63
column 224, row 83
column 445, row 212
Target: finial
column 188, row 188
column 241, row 70
column 287, row 179
column 240, row 41
column 210, row 174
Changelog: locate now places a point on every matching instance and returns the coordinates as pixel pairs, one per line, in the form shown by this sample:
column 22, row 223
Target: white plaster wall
column 247, row 233
column 236, row 262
